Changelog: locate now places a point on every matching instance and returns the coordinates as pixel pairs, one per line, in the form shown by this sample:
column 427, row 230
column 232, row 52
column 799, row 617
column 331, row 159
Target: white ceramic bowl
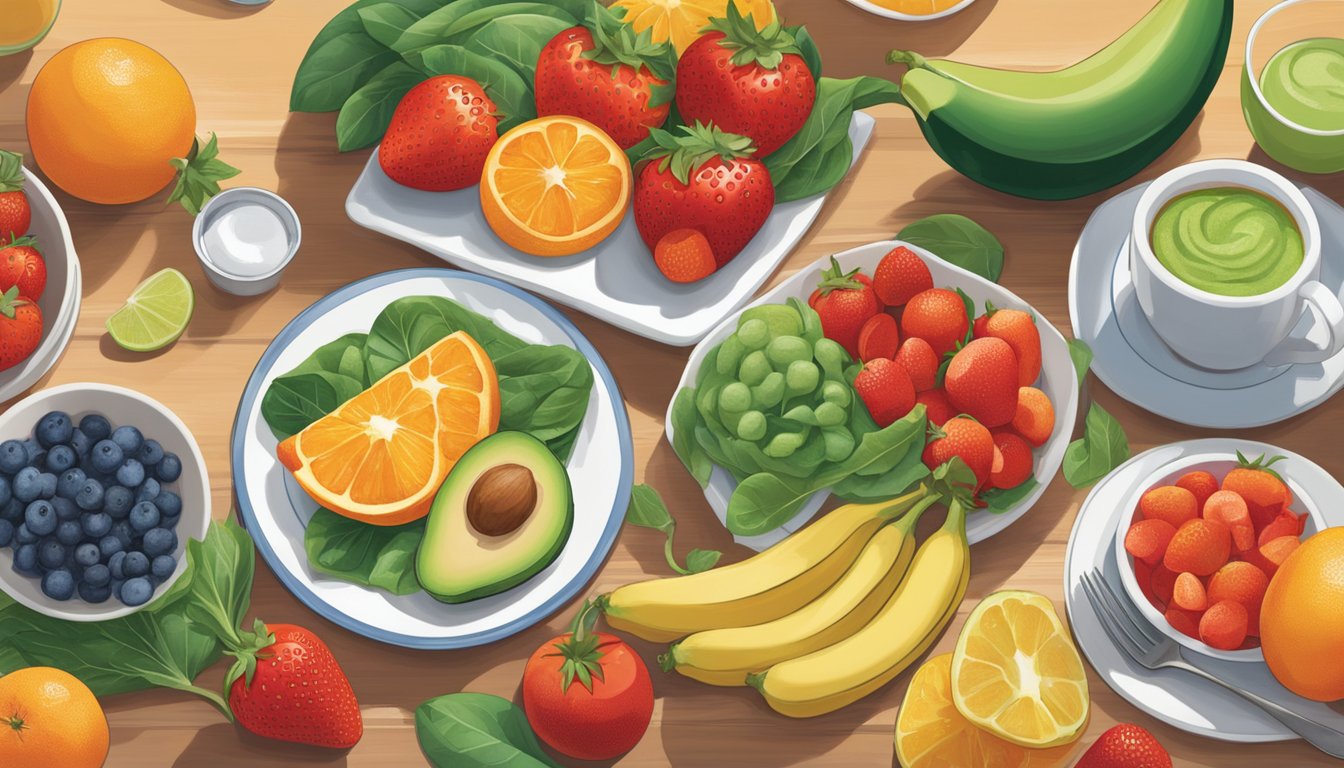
column 874, row 8
column 60, row 300
column 121, row 406
column 1217, row 464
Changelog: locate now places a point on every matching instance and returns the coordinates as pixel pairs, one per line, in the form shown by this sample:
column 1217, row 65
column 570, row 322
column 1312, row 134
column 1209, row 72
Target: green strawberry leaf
column 698, row 145
column 1102, row 448
column 199, row 174
column 615, row 43
column 765, row 47
column 1081, row 354
column 11, row 171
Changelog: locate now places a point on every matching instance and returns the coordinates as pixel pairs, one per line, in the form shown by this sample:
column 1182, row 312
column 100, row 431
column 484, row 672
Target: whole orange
column 1302, row 619
column 49, row 718
column 106, row 117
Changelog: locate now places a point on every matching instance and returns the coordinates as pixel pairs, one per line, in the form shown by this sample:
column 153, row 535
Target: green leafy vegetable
column 366, row 114
column 477, row 730
column 455, row 22
column 958, row 240
column 315, row 387
column 1102, row 448
column 511, row 93
column 647, row 510
column 376, row 556
column 410, row 325
column 1000, row 501
column 1081, row 354
column 684, row 419
column 516, row 41
column 337, row 67
column 385, row 22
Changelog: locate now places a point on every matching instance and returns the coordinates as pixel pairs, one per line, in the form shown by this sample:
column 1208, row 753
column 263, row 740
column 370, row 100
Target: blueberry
column 106, row 456
column 122, row 530
column 70, row 533
column 87, row 554
column 136, row 591
column 91, row 594
column 61, row 458
column 54, row 429
column 150, row 453
column 50, row 554
column 115, row 565
column 159, row 541
column 98, row 575
column 6, row 533
column 149, row 491
column 46, row 485
column 108, row 546
column 58, row 584
column 144, row 516
column 24, row 536
column 65, row 509
column 81, row 443
column 5, row 493
column 169, row 503
column 169, row 469
column 90, row 496
column 13, row 457
column 131, row 473
column 96, row 427
column 127, row 438
column 97, row 525
column 117, row 501
column 33, row 449
column 27, row 485
column 162, row 567
column 12, row 511
column 25, row 559
column 40, row 517
column 67, row 485
column 135, row 564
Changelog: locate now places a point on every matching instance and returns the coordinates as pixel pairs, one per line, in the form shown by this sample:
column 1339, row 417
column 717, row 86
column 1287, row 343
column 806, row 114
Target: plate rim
column 250, row 400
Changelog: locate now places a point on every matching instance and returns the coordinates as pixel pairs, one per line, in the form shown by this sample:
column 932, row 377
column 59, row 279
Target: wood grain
column 239, row 63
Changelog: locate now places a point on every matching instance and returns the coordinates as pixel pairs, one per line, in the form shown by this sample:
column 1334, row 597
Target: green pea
column 769, row 393
column 735, row 398
column 802, row 377
column 830, row 415
column 781, row 320
column 751, row 426
column 837, row 393
column 831, row 356
column 802, row 414
column 730, row 354
column 754, row 368
column 754, row 333
column 784, row 445
column 787, row 349
column 839, row 443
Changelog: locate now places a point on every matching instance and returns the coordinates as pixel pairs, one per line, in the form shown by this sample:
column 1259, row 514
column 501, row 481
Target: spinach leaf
column 457, row 21
column 376, row 556
column 517, row 40
column 887, row 485
column 808, row 48
column 366, row 114
column 409, row 326
column 335, row 68
column 958, row 240
column 297, row 399
column 477, row 730
column 1081, row 354
column 1001, row 501
column 819, row 155
column 647, row 510
column 386, row 21
column 1102, row 448
column 511, row 94
column 684, row 421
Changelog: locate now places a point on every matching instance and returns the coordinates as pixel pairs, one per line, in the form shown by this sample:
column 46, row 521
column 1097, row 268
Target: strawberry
column 879, row 338
column 920, row 362
column 1018, row 328
column 20, row 328
column 289, row 687
column 440, row 135
column 607, row 74
column 937, row 316
column 885, row 389
column 706, row 180
column 965, row 438
column 1125, row 746
column 1264, row 491
column 751, row 82
column 21, row 264
column 845, row 301
column 684, row 256
column 1016, row 465
column 899, row 276
column 936, row 407
column 982, row 381
column 15, row 214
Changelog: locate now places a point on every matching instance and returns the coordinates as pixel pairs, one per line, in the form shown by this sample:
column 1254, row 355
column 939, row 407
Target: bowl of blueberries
column 101, row 487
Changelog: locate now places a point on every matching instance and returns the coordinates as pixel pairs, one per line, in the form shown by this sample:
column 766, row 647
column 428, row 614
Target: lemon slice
column 1017, row 674
column 683, row 21
column 156, row 313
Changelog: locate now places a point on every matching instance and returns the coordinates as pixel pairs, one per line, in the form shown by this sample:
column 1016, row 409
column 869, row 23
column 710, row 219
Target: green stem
column 909, row 58
column 216, row 699
column 672, row 557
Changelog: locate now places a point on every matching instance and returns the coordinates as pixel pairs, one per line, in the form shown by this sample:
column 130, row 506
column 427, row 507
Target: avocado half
column 503, row 514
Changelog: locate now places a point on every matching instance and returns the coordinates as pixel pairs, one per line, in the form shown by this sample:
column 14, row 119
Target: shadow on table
column 215, row 9
column 211, row 742
column 12, row 67
column 1329, row 184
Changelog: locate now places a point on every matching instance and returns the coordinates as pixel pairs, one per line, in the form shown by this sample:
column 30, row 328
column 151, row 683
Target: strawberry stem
column 698, row 145
column 834, row 278
column 199, row 174
column 764, row 47
column 11, row 171
column 615, row 43
column 580, row 648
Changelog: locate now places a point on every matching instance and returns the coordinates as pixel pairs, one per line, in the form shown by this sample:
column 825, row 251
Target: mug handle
column 1326, row 312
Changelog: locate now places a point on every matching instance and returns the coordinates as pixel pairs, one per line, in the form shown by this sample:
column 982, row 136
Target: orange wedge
column 381, row 457
column 555, row 186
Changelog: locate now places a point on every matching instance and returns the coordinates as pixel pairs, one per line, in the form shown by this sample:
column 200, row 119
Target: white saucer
column 1177, row 698
column 1133, row 361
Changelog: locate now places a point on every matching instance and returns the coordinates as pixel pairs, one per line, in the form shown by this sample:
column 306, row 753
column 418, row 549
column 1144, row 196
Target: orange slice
column 381, row 457
column 931, row 733
column 555, row 186
column 682, row 21
column 917, row 7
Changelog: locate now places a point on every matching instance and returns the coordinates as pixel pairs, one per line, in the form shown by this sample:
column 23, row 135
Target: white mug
column 1232, row 332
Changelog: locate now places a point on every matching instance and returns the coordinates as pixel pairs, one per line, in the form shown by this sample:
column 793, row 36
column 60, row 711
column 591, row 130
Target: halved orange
column 555, row 186
column 683, row 21
column 381, row 457
column 931, row 733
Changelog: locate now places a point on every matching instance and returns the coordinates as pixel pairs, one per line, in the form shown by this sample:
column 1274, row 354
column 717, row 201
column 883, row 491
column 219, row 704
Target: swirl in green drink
column 1304, row 82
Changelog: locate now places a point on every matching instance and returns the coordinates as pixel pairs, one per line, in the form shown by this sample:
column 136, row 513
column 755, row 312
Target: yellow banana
column 904, row 628
column 762, row 588
column 726, row 656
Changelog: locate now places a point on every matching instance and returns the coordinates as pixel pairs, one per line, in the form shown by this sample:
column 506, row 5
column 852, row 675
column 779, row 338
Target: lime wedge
column 156, row 313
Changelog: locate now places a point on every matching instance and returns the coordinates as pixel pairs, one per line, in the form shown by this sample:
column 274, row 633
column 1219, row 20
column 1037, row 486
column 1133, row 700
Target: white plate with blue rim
column 276, row 511
column 628, row 291
column 1059, row 381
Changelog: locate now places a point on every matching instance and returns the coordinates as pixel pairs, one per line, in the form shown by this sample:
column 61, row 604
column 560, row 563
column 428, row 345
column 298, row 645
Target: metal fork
column 1152, row 650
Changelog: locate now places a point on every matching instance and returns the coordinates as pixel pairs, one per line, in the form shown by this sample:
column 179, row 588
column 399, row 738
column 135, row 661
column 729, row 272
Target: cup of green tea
column 1292, row 84
column 1225, row 256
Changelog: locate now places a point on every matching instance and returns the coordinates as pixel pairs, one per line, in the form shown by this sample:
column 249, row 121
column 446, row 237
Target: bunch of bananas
column 821, row 619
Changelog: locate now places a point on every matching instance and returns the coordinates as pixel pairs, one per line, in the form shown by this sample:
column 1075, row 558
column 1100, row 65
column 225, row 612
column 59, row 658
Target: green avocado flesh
column 484, row 534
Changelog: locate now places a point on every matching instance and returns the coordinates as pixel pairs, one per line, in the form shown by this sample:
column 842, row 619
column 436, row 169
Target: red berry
column 879, row 338
column 899, row 276
column 1125, row 746
column 937, row 316
column 963, row 438
column 921, row 362
column 981, row 381
column 845, row 302
column 936, row 407
column 684, row 256
column 886, row 390
column 1017, row 462
column 1018, row 329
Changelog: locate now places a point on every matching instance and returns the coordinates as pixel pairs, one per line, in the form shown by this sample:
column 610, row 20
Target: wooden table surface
column 239, row 63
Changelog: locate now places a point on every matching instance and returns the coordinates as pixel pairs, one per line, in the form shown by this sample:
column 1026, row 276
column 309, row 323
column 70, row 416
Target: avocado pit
column 502, row 499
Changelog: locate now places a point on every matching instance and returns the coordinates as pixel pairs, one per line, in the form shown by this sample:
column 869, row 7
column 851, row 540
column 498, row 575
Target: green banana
column 1071, row 132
